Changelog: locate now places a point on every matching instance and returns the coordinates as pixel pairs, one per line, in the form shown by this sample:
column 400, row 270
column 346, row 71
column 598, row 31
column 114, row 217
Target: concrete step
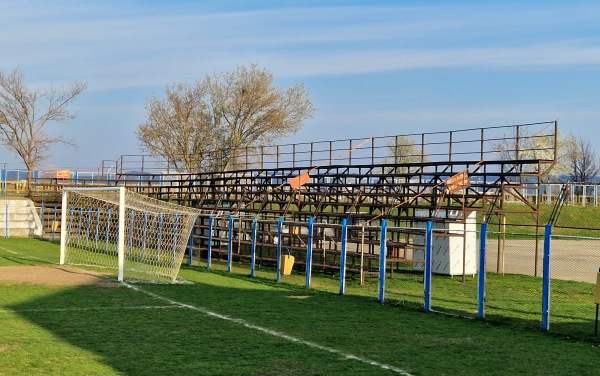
column 14, row 209
column 13, row 201
column 18, row 224
column 19, row 232
column 21, row 218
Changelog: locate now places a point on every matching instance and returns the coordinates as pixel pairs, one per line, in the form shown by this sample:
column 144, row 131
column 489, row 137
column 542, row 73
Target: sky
column 372, row 68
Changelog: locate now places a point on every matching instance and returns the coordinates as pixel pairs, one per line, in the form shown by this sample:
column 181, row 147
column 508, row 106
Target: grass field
column 227, row 324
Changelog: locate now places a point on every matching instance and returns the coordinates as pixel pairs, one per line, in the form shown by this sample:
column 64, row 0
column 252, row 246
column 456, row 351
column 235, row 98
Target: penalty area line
column 274, row 333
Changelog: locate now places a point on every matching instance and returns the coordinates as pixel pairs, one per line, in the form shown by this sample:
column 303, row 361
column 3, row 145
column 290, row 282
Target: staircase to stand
column 19, row 219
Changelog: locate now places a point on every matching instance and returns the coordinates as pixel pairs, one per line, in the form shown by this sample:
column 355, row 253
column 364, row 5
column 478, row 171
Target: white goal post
column 143, row 238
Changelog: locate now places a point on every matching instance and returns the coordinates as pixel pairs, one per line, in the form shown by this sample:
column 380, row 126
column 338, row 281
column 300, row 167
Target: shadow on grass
column 135, row 333
column 138, row 334
column 512, row 300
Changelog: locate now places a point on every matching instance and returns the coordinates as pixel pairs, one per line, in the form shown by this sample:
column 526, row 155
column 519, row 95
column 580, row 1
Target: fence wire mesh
column 513, row 286
column 351, row 254
column 574, row 263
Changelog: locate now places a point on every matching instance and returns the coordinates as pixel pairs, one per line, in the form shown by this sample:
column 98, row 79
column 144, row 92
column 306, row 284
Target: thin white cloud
column 385, row 60
column 148, row 72
column 115, row 47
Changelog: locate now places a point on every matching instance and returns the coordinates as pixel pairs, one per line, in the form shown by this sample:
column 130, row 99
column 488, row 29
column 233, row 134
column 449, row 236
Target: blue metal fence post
column 159, row 237
column 42, row 219
column 428, row 261
column 88, row 227
column 131, row 225
column 70, row 224
column 191, row 248
column 174, row 246
column 309, row 250
column 97, row 234
column 106, row 231
column 481, row 290
column 253, row 247
column 230, row 243
column 546, row 280
column 54, row 222
column 3, row 181
column 343, row 257
column 144, row 233
column 209, row 245
column 382, row 255
column 6, row 219
column 278, row 267
column 80, row 211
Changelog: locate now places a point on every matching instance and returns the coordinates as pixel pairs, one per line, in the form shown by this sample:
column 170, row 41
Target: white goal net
column 143, row 238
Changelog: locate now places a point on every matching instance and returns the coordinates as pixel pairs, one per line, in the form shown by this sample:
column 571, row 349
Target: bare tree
column 229, row 112
column 253, row 111
column 403, row 150
column 546, row 146
column 584, row 166
column 25, row 114
column 179, row 127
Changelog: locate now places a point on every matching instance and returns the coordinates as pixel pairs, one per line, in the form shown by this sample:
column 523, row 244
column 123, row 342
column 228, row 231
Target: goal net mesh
column 155, row 233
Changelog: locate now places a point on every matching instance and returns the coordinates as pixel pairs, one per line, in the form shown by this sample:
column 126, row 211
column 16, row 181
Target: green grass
column 512, row 300
column 94, row 330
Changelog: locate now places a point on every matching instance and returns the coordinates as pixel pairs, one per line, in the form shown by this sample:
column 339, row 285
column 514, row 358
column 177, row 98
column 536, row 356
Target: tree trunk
column 29, row 179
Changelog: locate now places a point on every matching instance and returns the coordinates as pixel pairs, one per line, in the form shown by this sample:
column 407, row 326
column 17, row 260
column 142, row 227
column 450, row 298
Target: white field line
column 274, row 333
column 24, row 257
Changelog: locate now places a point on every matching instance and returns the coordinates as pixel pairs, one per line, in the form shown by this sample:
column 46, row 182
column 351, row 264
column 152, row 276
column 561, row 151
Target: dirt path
column 57, row 275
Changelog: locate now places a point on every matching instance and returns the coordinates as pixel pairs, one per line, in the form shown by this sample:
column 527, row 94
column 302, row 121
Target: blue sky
column 371, row 67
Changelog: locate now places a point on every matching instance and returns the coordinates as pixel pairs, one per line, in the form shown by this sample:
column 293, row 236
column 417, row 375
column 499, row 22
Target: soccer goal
column 144, row 238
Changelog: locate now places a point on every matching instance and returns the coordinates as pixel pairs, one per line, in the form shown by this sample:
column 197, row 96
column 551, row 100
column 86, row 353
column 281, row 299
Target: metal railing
column 514, row 142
